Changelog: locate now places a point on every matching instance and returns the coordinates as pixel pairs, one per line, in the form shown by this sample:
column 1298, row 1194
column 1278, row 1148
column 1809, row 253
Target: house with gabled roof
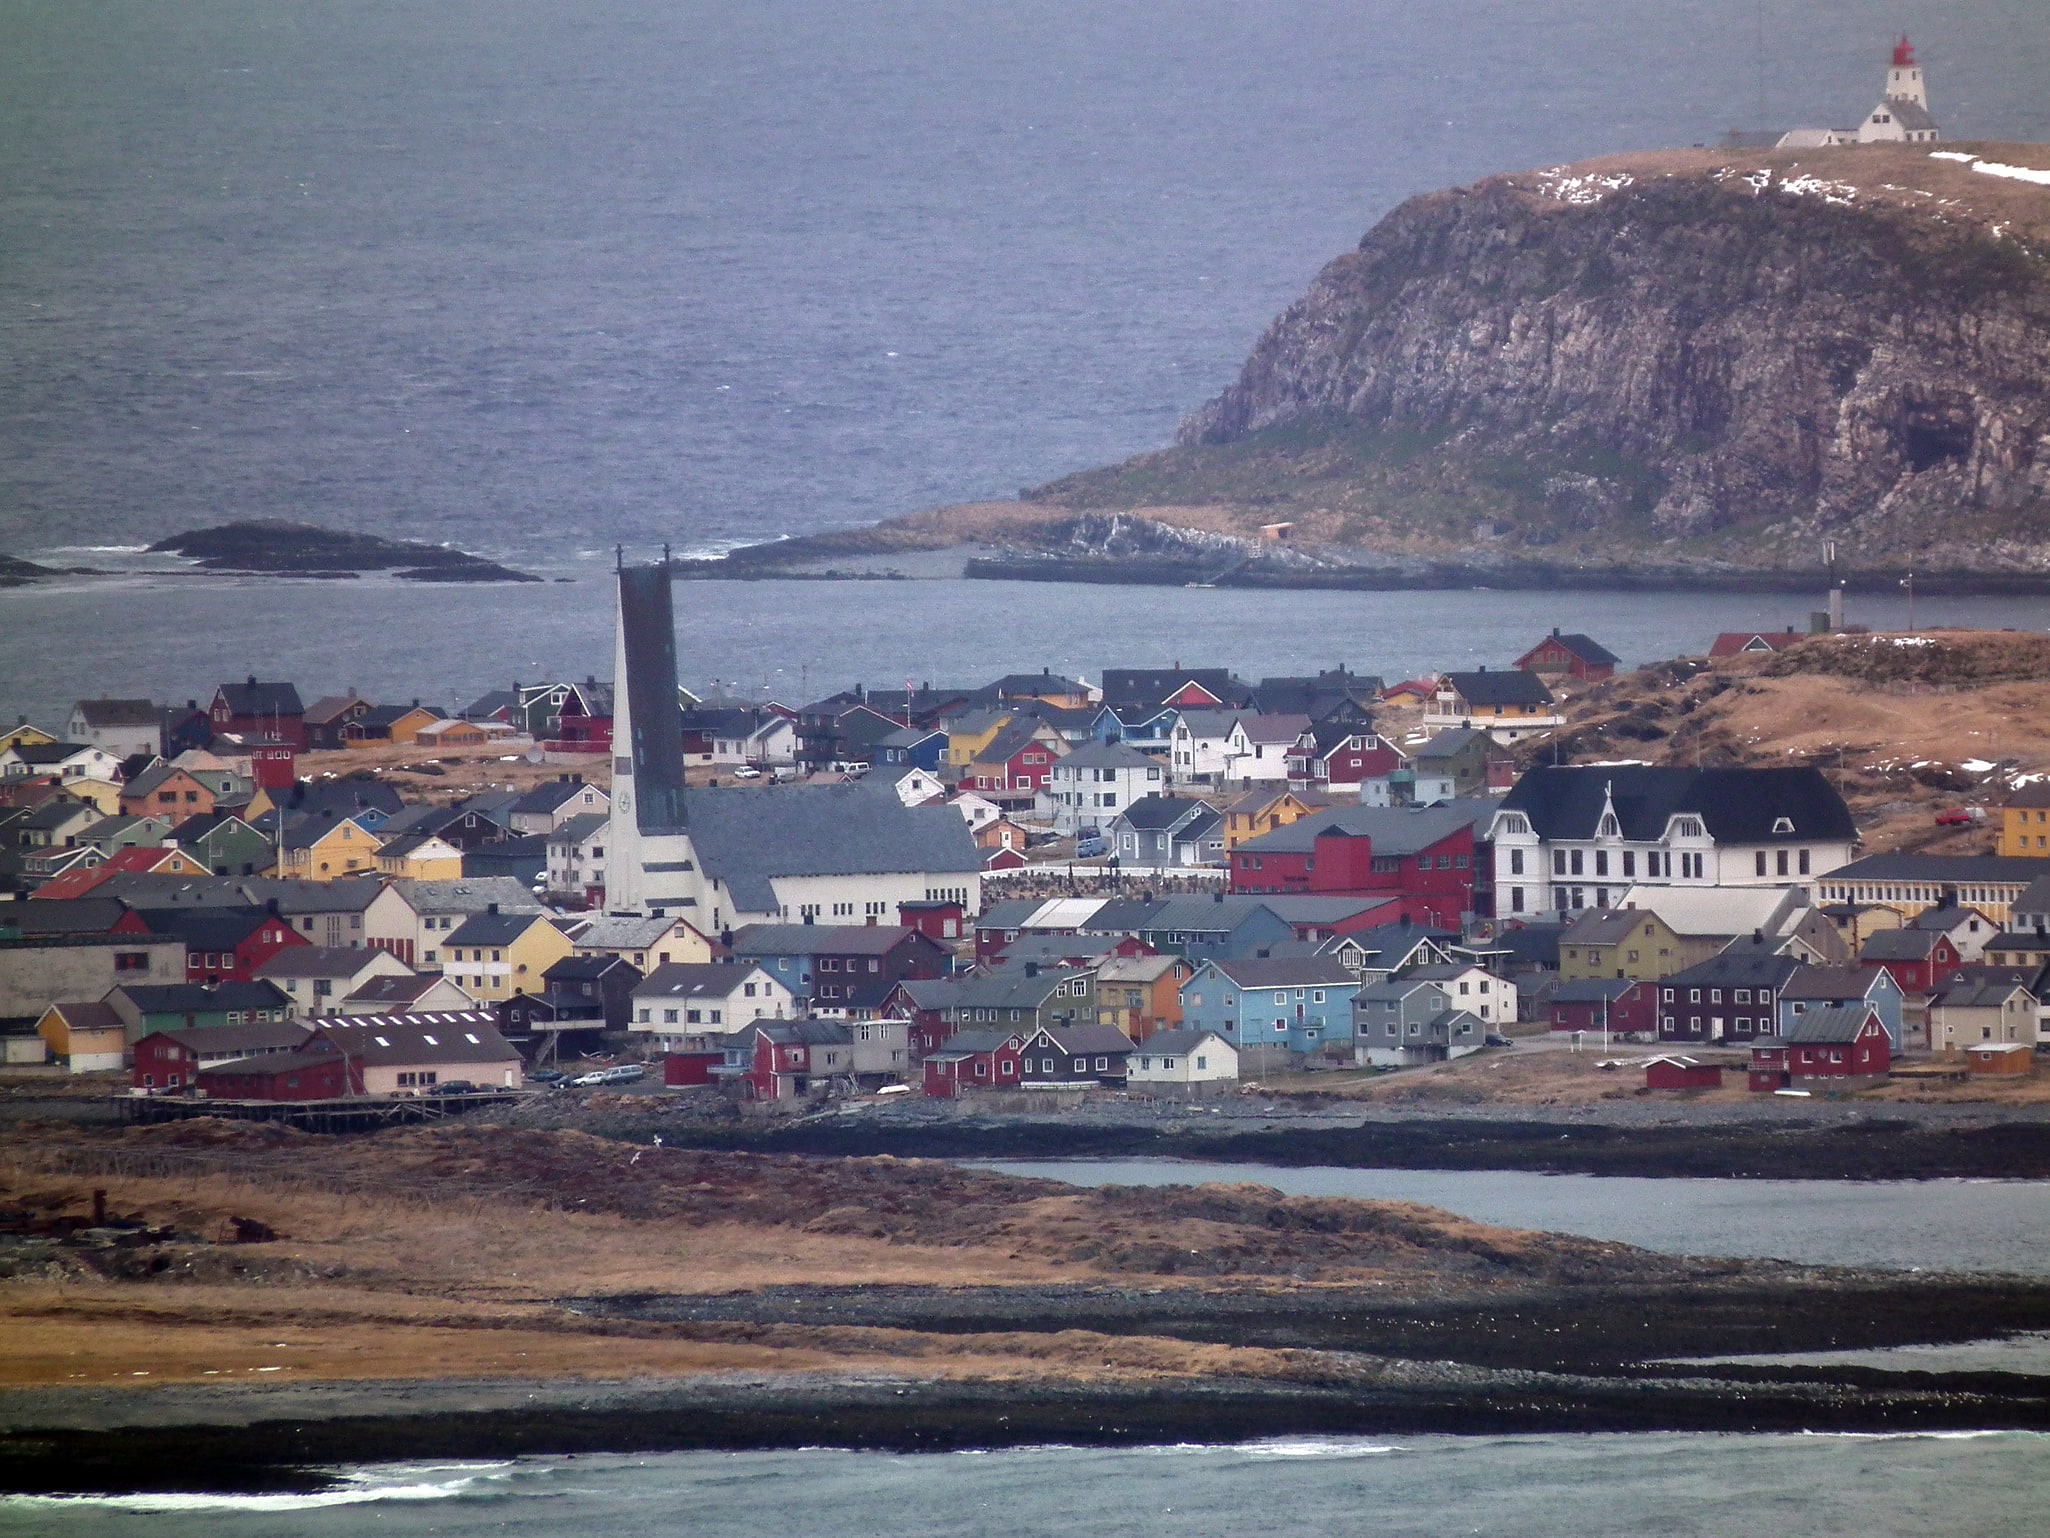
column 1405, row 1022
column 646, row 941
column 492, row 954
column 316, row 978
column 1160, row 832
column 224, row 944
column 1298, row 1006
column 679, row 1006
column 1342, row 756
column 170, row 1062
column 1199, row 744
column 1422, row 856
column 1509, row 704
column 554, row 802
column 415, row 1054
column 146, row 1007
column 1736, row 643
column 1176, row 686
column 1182, row 1062
column 1813, row 987
column 403, row 993
column 316, row 849
column 1730, row 997
column 1968, row 1011
column 1836, row 1048
column 1263, row 809
column 973, row 1060
column 260, row 709
column 1257, row 748
column 1331, row 693
column 434, row 910
column 419, row 857
column 1090, row 786
column 119, row 727
column 1571, row 656
column 1082, row 1056
column 823, row 965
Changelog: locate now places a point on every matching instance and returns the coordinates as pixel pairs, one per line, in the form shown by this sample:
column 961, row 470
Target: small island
column 284, row 548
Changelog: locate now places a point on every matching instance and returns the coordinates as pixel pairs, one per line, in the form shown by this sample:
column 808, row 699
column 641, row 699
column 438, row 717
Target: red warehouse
column 973, row 1060
column 319, row 1071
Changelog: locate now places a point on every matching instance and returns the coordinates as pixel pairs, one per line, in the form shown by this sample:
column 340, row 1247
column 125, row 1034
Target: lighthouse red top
column 1903, row 53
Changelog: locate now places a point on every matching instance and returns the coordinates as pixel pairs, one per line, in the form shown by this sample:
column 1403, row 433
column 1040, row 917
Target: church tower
column 648, row 861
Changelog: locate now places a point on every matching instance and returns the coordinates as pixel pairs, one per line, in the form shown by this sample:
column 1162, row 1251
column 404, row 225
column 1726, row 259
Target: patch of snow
column 1904, row 640
column 2013, row 173
column 1839, row 193
column 1975, row 766
column 1581, row 189
column 1758, row 181
column 1952, row 155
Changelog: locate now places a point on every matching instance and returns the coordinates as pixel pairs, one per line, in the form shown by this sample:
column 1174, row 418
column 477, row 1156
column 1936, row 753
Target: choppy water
column 1928, row 1225
column 1959, row 1485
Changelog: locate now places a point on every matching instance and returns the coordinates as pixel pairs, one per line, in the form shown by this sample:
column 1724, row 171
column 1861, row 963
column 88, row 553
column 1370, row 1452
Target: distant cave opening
column 1937, row 433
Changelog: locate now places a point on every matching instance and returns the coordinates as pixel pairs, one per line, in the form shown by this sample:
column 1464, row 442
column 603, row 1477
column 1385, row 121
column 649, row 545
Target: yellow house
column 86, row 1038
column 420, row 857
column 2025, row 823
column 969, row 736
column 646, row 942
column 407, row 728
column 105, row 795
column 495, row 955
column 1262, row 811
column 25, row 736
column 1626, row 942
column 322, row 851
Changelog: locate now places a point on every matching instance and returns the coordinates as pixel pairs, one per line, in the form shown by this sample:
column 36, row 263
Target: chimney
column 252, row 680
column 1032, row 969
column 491, row 908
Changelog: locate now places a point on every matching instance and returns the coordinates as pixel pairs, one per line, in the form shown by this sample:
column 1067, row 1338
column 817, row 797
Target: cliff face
column 1688, row 353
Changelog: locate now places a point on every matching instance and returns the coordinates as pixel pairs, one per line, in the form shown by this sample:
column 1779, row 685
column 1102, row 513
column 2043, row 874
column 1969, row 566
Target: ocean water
column 1919, row 1225
column 1961, row 1485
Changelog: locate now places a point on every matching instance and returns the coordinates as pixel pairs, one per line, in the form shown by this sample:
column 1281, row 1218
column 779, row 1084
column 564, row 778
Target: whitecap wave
column 356, row 1488
column 1316, row 1447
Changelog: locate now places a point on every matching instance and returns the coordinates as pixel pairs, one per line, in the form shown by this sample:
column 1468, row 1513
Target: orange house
column 1141, row 995
column 172, row 794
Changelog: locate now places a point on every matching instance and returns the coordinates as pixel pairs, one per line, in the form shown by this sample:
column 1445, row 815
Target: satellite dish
column 534, row 754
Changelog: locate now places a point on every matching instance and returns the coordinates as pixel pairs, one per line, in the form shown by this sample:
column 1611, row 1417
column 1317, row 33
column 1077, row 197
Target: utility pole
column 1909, row 584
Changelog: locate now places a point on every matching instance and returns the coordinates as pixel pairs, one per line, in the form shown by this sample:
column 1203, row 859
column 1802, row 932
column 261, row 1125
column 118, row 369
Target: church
column 1902, row 116
column 782, row 854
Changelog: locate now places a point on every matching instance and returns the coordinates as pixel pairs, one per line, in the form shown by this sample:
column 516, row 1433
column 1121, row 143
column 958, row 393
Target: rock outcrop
column 1682, row 356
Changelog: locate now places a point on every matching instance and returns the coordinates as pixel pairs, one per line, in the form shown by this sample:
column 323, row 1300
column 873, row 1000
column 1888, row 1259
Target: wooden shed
column 1681, row 1073
column 2011, row 1059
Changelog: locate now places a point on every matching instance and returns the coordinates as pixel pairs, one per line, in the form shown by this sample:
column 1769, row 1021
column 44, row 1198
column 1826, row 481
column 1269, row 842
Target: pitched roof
column 552, row 794
column 1449, row 744
column 1737, row 806
column 1108, row 755
column 580, row 828
column 321, row 961
column 397, row 989
column 1394, row 830
column 90, row 1015
column 1089, row 1038
column 259, row 697
column 1975, row 993
column 435, row 1036
column 695, row 980
column 264, row 1036
column 818, row 939
column 1743, row 969
column 493, row 928
column 1149, row 686
column 1837, row 1025
column 1829, row 983
column 1900, row 945
column 964, row 1044
column 1510, row 686
column 95, row 915
column 1593, row 990
column 748, row 837
column 1731, row 642
column 191, row 998
column 118, row 712
column 1285, row 972
column 1179, row 1042
column 1274, row 730
column 1604, row 926
column 1908, row 113
column 472, row 894
column 1586, row 648
column 1157, row 813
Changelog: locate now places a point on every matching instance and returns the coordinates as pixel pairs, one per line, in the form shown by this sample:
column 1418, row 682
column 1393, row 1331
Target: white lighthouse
column 1902, row 116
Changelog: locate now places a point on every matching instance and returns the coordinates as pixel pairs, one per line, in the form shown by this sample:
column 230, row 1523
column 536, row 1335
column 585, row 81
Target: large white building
column 1572, row 838
column 1089, row 787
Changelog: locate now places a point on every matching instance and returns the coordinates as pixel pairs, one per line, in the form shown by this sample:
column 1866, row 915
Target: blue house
column 1298, row 1004
column 1813, row 988
column 1200, row 928
column 1149, row 728
column 912, row 747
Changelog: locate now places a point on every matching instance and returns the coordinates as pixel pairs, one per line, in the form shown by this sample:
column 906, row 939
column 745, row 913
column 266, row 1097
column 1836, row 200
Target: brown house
column 1569, row 656
column 1141, row 995
column 166, row 792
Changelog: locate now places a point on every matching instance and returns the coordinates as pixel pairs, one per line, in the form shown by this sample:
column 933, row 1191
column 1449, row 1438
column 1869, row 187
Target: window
column 1516, row 862
column 1760, row 858
column 1558, row 862
column 1574, row 857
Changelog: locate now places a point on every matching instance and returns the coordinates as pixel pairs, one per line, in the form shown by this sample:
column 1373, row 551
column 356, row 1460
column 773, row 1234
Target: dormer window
column 1610, row 828
column 1783, row 825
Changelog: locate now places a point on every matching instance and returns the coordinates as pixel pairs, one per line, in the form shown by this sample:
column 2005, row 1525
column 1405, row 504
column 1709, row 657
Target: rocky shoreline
column 1357, row 1363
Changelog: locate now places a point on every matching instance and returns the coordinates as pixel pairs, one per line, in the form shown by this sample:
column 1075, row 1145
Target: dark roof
column 1741, row 969
column 266, row 1036
column 492, row 928
column 473, row 894
column 818, row 939
column 191, row 998
column 1285, row 972
column 2035, row 794
column 1156, row 813
column 1945, row 916
column 1839, row 1024
column 747, row 837
column 1830, row 983
column 1909, row 114
column 1509, row 686
column 259, row 697
column 438, row 1036
column 48, row 752
column 1737, row 806
column 321, row 961
column 94, row 915
column 579, row 969
column 1937, row 868
column 550, row 795
column 1089, row 1038
column 1586, row 648
column 1450, row 743
column 1900, row 945
column 693, row 980
column 1152, row 686
column 119, row 712
column 1108, row 755
column 341, row 798
column 1179, row 1042
column 1606, row 926
column 208, row 928
column 396, row 989
column 970, row 1043
column 1977, row 992
column 1394, row 830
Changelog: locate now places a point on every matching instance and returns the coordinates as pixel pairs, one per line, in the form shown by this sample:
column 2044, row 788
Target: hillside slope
column 1682, row 356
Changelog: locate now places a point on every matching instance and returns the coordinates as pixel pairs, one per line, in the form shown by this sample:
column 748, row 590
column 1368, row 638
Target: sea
column 540, row 280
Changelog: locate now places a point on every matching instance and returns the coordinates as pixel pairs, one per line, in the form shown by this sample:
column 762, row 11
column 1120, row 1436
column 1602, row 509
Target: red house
column 944, row 922
column 1917, row 959
column 691, row 1069
column 1339, row 753
column 170, row 1062
column 1842, row 1047
column 973, row 1060
column 1423, row 855
column 318, row 1071
column 260, row 710
column 224, row 945
column 1624, row 1006
column 791, row 1056
column 926, row 1003
column 1573, row 656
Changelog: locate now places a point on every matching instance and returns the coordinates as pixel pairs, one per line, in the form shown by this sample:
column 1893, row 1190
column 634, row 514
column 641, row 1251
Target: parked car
column 544, row 1075
column 625, row 1073
column 1090, row 843
column 455, row 1087
column 1960, row 816
column 747, row 772
column 1494, row 1039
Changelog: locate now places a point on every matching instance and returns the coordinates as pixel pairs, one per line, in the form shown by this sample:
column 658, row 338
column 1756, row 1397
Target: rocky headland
column 1675, row 366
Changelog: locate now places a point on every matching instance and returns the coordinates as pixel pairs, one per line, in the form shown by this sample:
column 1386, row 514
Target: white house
column 682, row 1004
column 1184, row 1061
column 1199, row 745
column 1092, row 785
column 63, row 760
column 1568, row 838
column 914, row 786
column 1474, row 989
column 123, row 728
column 1256, row 750
column 576, row 855
column 979, row 811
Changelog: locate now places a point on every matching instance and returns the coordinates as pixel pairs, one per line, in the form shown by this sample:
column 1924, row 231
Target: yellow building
column 969, row 736
column 2025, row 823
column 86, row 1038
column 329, row 851
column 495, row 955
column 1626, row 942
column 103, row 794
column 420, row 857
column 1262, row 811
column 25, row 736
